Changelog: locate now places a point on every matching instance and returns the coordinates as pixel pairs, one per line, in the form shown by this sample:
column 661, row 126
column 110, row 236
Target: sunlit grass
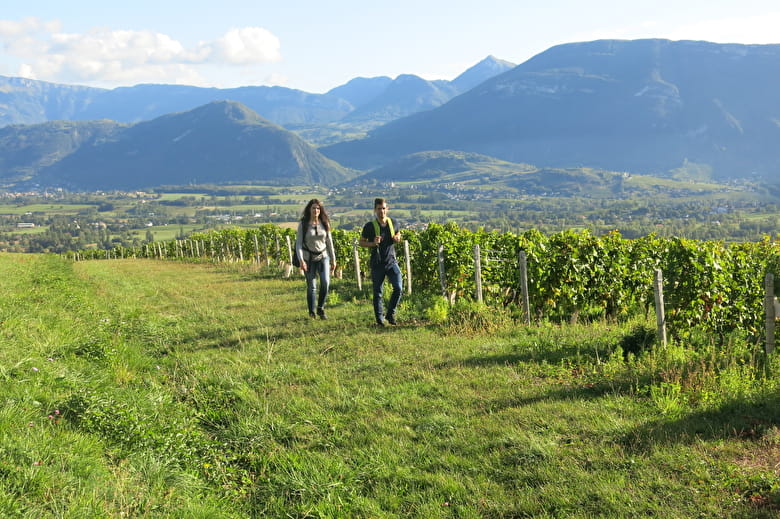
column 161, row 389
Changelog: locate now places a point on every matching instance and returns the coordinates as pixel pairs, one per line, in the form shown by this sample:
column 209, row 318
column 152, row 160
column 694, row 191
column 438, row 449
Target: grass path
column 160, row 389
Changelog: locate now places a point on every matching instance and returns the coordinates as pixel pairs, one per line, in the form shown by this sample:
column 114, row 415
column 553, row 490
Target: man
column 380, row 236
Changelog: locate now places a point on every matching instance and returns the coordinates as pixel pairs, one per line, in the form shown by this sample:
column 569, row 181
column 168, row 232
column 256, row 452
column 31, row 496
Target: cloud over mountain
column 122, row 56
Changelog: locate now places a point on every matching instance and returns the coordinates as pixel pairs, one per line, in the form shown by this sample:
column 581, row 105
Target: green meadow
column 152, row 389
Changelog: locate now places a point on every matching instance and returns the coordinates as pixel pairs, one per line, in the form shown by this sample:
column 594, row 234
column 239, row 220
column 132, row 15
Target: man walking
column 380, row 236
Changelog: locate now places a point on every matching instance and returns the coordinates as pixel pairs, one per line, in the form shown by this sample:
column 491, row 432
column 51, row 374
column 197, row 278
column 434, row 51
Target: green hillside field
column 148, row 389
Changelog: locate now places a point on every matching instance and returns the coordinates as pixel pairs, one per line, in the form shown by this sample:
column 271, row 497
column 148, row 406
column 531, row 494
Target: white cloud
column 104, row 56
column 11, row 28
column 248, row 45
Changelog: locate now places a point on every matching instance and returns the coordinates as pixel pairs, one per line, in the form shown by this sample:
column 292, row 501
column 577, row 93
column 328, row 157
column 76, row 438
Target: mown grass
column 160, row 389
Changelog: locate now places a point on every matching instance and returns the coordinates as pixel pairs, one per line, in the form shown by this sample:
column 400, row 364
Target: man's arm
column 365, row 241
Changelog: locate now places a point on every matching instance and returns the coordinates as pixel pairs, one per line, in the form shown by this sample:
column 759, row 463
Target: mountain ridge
column 221, row 142
column 646, row 106
column 31, row 101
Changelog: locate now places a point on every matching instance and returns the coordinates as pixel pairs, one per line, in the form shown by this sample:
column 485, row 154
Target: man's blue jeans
column 314, row 270
column 393, row 275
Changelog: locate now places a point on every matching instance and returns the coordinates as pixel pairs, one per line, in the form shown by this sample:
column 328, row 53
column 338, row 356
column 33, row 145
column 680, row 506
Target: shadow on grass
column 749, row 420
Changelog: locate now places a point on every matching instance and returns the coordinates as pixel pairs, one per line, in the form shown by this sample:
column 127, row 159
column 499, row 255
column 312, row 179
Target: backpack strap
column 389, row 222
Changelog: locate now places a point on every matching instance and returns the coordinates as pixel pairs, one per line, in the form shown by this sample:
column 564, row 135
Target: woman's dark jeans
column 321, row 270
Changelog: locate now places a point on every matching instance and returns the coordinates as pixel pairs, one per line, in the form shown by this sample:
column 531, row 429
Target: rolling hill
column 221, row 142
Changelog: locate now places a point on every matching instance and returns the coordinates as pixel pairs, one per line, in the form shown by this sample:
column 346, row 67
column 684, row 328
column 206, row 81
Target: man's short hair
column 378, row 202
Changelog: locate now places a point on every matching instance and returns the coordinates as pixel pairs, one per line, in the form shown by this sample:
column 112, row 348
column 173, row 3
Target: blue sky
column 316, row 45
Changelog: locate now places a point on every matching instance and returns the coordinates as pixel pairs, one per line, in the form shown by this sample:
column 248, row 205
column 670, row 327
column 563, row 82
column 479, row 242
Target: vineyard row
column 572, row 274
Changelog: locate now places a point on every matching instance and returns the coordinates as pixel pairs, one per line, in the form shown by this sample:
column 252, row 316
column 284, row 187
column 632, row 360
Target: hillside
column 26, row 150
column 472, row 174
column 222, row 142
column 27, row 101
column 644, row 106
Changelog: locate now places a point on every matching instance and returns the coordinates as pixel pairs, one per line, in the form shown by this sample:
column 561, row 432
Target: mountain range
column 637, row 106
column 644, row 106
column 25, row 101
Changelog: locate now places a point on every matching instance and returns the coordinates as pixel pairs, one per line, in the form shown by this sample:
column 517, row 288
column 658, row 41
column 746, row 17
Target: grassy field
column 148, row 389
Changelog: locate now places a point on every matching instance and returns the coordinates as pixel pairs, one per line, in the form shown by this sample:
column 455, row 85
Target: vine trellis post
column 442, row 274
column 356, row 256
column 478, row 272
column 524, row 287
column 660, row 317
column 288, row 268
column 769, row 312
column 408, row 261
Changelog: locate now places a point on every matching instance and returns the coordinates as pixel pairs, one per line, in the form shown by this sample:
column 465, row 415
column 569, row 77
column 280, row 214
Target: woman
column 314, row 247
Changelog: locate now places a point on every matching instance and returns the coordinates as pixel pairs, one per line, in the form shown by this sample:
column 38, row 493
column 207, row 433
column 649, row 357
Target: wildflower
column 35, row 369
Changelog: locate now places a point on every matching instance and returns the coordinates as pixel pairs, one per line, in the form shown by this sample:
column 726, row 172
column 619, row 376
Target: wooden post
column 478, row 272
column 257, row 249
column 443, row 274
column 408, row 261
column 524, row 287
column 265, row 252
column 240, row 251
column 769, row 311
column 288, row 268
column 660, row 317
column 356, row 256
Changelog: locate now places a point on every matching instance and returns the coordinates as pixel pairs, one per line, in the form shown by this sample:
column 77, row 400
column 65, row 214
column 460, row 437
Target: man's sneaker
column 380, row 324
column 321, row 313
column 311, row 315
column 391, row 319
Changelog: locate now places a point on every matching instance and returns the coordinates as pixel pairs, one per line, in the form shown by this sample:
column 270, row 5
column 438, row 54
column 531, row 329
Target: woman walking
column 314, row 247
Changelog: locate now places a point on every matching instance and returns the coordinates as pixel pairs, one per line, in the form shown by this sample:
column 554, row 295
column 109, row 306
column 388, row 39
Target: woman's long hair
column 306, row 218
